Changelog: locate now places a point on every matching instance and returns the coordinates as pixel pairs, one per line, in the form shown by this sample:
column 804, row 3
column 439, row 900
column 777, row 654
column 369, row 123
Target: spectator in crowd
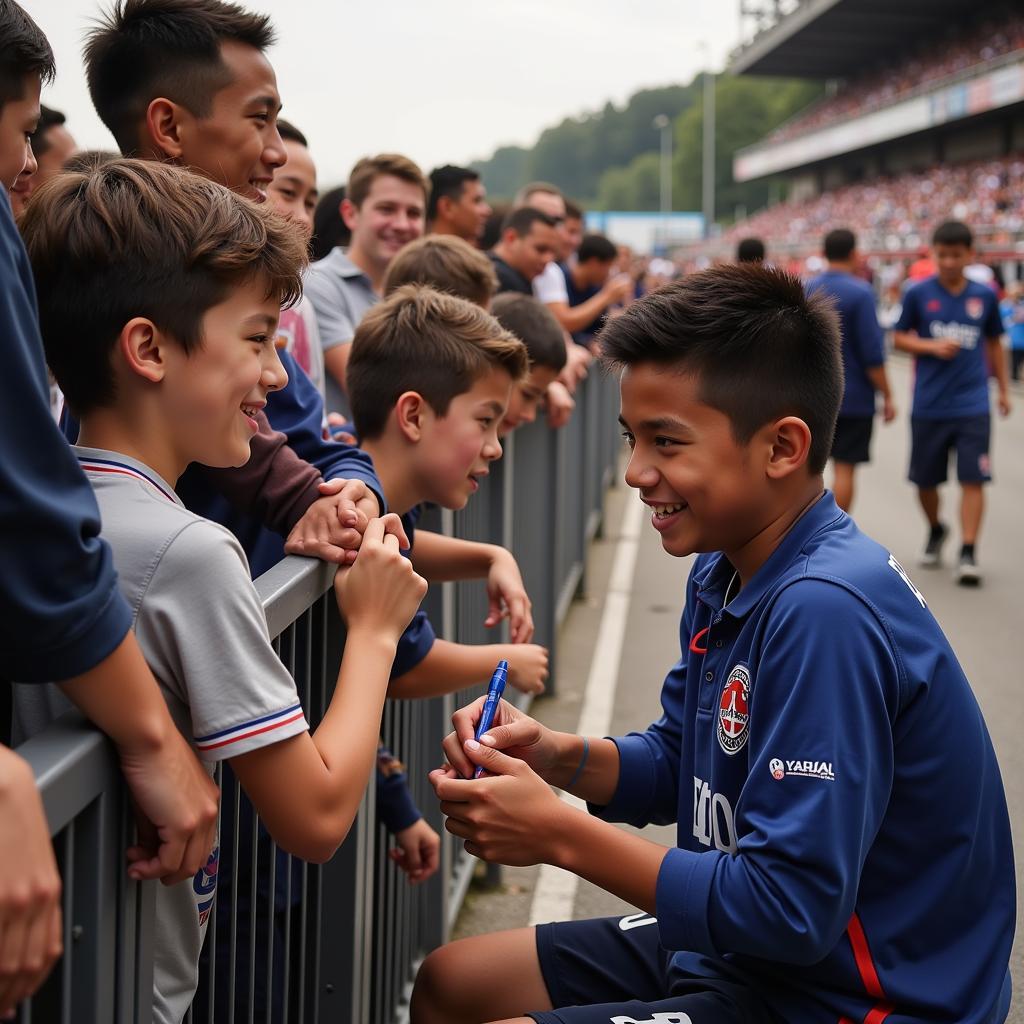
column 430, row 377
column 157, row 385
column 573, row 229
column 384, row 209
column 536, row 327
column 549, row 284
column 863, row 350
column 750, row 250
column 458, row 203
column 528, row 244
column 952, row 328
column 492, row 229
column 293, row 194
column 798, row 632
column 592, row 289
column 52, row 144
column 187, row 81
column 448, row 264
column 1012, row 312
column 62, row 616
column 329, row 230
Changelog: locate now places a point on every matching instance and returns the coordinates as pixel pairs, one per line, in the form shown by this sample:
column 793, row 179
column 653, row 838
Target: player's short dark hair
column 24, row 51
column 534, row 325
column 48, row 118
column 596, row 247
column 521, row 220
column 144, row 49
column 135, row 238
column 953, row 232
column 758, row 346
column 419, row 339
column 448, row 181
column 839, row 244
column 750, row 250
column 329, row 227
column 290, row 133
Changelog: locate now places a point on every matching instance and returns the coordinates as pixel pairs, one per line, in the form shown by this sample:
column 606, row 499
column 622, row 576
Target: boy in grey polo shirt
column 159, row 383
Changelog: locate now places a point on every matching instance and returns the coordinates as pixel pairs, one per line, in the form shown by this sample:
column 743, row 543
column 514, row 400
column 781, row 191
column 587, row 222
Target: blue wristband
column 579, row 768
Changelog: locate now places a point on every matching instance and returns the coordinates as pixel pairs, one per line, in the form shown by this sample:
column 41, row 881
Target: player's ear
column 789, row 445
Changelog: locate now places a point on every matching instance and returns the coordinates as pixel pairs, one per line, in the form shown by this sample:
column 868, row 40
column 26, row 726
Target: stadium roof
column 840, row 38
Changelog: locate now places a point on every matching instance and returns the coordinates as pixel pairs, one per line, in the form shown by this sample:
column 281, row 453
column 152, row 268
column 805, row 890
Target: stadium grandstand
column 922, row 120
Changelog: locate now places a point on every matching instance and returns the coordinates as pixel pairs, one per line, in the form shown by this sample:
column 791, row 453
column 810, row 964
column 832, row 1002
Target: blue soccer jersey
column 843, row 841
column 862, row 341
column 951, row 388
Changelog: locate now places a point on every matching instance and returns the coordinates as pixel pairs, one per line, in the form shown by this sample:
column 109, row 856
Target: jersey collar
column 101, row 462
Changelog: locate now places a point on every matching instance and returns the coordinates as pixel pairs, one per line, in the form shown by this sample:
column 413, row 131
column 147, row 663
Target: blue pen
column 494, row 692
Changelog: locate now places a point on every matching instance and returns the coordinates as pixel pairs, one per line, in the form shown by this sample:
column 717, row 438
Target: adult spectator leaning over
column 458, row 203
column 384, row 209
column 61, row 616
column 592, row 289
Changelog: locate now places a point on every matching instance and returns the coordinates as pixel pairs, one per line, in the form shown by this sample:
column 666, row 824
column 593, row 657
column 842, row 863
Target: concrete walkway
column 985, row 626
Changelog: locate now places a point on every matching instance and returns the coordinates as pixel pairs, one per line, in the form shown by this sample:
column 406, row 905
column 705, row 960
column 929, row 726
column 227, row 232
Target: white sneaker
column 967, row 572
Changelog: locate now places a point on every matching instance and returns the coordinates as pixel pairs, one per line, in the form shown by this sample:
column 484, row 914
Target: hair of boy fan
column 143, row 49
column 24, row 51
column 758, row 345
column 419, row 339
column 131, row 238
column 535, row 325
column 953, row 232
column 446, row 263
column 367, row 170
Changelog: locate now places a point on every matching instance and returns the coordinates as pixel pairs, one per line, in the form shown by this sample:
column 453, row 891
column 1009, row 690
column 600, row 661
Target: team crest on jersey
column 975, row 307
column 733, row 711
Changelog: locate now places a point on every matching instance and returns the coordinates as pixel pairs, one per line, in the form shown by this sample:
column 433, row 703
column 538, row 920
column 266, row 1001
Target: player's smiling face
column 705, row 490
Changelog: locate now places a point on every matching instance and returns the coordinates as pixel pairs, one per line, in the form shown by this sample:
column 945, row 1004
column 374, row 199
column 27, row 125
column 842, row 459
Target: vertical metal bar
column 233, row 946
column 67, row 962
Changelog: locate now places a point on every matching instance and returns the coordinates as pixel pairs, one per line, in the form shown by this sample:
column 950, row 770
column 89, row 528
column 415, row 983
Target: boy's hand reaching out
column 560, row 404
column 527, row 666
column 380, row 593
column 418, row 852
column 508, row 598
column 332, row 528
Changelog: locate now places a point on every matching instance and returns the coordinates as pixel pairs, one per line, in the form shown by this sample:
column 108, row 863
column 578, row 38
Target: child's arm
column 307, row 788
column 449, row 667
column 441, row 559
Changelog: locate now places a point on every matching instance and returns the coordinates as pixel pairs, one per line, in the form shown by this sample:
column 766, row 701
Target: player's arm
column 993, row 332
column 449, row 667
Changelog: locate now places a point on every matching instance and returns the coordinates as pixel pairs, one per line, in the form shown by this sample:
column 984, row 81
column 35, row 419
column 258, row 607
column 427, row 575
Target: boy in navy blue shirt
column 863, row 351
column 843, row 849
column 951, row 326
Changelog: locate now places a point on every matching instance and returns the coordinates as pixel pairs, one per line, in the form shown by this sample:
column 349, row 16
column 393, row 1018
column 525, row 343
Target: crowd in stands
column 876, row 88
column 899, row 212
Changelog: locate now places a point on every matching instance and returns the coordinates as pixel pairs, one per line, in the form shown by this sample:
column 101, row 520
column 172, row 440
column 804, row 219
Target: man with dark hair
column 528, row 244
column 951, row 326
column 750, row 250
column 384, row 207
column 811, row 746
column 592, row 289
column 863, row 347
column 53, row 145
column 458, row 203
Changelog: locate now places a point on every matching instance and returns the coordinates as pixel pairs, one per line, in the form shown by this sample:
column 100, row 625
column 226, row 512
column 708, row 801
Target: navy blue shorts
column 852, row 440
column 613, row 970
column 933, row 440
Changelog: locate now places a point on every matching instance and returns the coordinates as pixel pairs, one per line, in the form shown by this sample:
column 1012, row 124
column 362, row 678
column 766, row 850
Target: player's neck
column 954, row 287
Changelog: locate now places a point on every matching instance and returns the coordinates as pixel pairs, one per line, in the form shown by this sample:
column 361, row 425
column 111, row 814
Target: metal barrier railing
column 287, row 940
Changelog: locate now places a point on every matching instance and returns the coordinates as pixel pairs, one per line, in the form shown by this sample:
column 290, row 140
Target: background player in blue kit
column 951, row 325
column 843, row 848
column 863, row 349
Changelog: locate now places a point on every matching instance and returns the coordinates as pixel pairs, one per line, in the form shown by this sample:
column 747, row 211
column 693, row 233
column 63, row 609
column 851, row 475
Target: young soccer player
column 429, row 380
column 188, row 82
column 843, row 849
column 863, row 348
column 157, row 384
column 951, row 326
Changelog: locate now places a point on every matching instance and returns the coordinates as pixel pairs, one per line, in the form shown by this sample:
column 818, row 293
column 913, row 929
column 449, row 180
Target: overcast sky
column 444, row 81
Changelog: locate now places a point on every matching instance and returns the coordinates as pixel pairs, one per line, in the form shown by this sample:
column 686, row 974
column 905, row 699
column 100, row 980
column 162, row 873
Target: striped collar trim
column 95, row 461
